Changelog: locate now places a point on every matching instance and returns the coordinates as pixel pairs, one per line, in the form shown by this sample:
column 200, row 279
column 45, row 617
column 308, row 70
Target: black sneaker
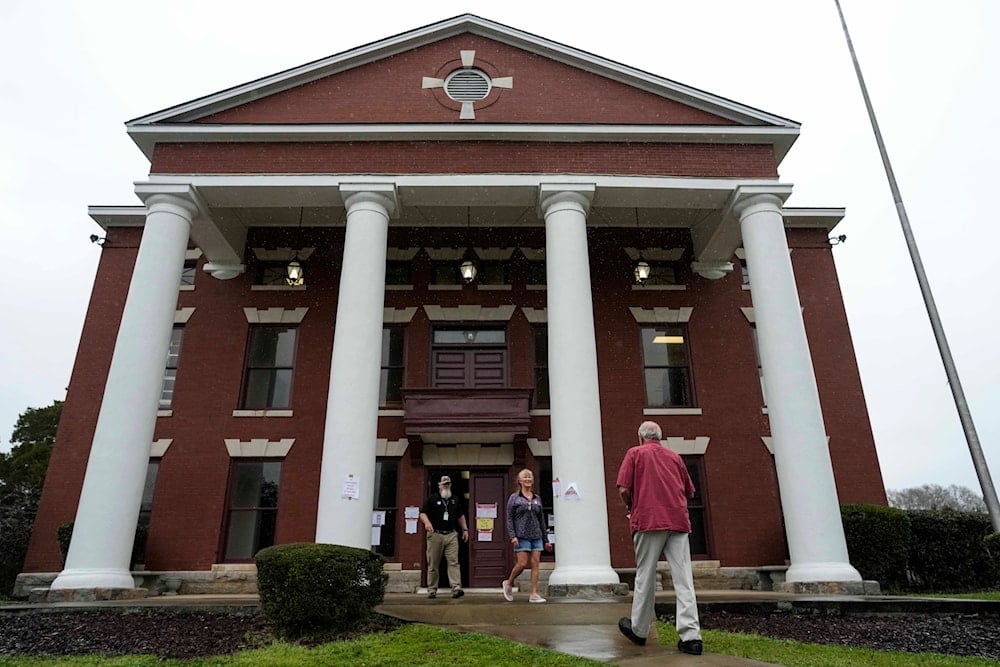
column 625, row 625
column 457, row 593
column 691, row 646
column 432, row 595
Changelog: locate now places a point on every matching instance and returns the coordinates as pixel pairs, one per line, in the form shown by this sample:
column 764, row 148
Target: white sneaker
column 536, row 598
column 508, row 591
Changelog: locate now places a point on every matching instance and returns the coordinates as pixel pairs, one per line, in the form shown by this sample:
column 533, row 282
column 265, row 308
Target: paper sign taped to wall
column 484, row 524
column 411, row 512
column 556, row 487
column 376, row 535
column 485, row 535
column 411, row 526
column 572, row 493
column 486, row 510
column 378, row 518
column 352, row 488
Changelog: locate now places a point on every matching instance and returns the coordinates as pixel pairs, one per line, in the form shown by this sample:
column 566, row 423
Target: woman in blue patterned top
column 528, row 532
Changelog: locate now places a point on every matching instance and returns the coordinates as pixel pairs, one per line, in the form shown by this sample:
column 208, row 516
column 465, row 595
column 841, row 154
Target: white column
column 352, row 404
column 583, row 554
column 816, row 543
column 106, row 517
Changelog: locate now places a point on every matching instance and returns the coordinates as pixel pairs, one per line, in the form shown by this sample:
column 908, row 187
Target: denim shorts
column 528, row 545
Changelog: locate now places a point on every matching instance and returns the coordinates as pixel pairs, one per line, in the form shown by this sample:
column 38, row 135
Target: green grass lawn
column 797, row 654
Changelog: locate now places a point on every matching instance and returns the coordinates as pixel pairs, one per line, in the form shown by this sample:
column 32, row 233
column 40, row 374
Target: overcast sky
column 74, row 72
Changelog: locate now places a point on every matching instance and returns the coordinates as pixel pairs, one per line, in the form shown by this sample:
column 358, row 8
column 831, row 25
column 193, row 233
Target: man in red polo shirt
column 655, row 485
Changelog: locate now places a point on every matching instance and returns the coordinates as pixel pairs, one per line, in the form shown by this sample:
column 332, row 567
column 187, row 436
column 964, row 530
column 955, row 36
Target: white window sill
column 540, row 412
column 746, row 287
column 445, row 288
column 262, row 413
column 186, row 288
column 399, row 288
column 494, row 288
column 537, row 288
column 671, row 411
column 277, row 288
column 391, row 413
column 164, row 413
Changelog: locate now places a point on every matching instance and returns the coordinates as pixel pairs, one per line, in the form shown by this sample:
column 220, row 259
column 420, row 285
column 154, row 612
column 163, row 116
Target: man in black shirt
column 442, row 516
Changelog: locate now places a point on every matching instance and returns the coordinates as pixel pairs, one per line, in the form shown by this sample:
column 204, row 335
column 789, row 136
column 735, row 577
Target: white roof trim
column 147, row 136
column 269, row 85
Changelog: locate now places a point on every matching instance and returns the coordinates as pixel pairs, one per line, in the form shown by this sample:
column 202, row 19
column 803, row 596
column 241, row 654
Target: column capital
column 182, row 198
column 565, row 195
column 378, row 195
column 758, row 197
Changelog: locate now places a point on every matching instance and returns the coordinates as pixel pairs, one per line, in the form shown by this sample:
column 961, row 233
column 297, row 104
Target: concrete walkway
column 583, row 628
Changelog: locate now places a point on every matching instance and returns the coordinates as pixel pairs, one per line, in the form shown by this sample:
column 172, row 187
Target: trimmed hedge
column 878, row 540
column 316, row 589
column 948, row 551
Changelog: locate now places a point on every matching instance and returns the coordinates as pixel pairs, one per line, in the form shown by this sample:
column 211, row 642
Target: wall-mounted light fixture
column 99, row 240
column 837, row 240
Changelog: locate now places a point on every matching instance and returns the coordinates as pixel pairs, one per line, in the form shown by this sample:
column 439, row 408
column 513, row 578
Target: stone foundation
column 587, row 591
column 830, row 588
column 86, row 594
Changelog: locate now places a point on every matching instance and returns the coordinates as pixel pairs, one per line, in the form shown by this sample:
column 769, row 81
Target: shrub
column 64, row 533
column 317, row 589
column 878, row 540
column 992, row 544
column 948, row 552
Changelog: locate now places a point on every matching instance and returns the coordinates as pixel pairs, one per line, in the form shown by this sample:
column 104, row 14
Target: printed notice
column 485, row 536
column 376, row 535
column 378, row 518
column 352, row 488
column 411, row 526
column 484, row 524
column 411, row 512
column 486, row 510
column 556, row 487
column 572, row 493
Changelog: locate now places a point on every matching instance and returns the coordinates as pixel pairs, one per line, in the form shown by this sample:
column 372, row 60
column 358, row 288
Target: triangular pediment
column 401, row 80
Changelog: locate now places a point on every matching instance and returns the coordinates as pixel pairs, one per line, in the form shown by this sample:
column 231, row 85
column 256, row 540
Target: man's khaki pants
column 648, row 547
column 448, row 545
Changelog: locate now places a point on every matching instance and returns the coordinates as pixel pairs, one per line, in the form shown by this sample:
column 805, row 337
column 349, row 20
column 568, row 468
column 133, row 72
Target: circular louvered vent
column 467, row 85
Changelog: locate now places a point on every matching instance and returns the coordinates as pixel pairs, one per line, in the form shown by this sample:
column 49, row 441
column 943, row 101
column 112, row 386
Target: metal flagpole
column 978, row 460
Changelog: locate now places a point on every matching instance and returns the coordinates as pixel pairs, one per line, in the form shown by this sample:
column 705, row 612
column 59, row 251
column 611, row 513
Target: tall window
column 272, row 273
column 170, row 373
column 189, row 271
column 541, row 370
column 536, row 273
column 398, row 272
column 698, row 539
column 445, row 273
column 667, row 366
column 492, row 273
column 270, row 362
column 391, row 378
column 386, row 476
column 145, row 512
column 760, row 367
column 252, row 508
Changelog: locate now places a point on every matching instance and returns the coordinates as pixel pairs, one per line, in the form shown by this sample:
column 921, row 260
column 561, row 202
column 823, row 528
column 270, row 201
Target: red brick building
column 326, row 408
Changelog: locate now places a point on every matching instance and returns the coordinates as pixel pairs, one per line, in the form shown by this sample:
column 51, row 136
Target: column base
column 822, row 572
column 577, row 575
column 829, row 587
column 93, row 578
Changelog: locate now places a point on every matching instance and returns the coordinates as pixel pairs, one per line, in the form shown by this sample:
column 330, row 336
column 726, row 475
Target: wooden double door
column 487, row 558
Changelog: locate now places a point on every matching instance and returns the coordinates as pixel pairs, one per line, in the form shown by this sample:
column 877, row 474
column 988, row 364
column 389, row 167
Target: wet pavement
column 585, row 628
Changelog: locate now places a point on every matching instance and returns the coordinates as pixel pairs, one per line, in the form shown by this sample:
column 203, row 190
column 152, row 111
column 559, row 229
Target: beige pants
column 448, row 545
column 648, row 547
